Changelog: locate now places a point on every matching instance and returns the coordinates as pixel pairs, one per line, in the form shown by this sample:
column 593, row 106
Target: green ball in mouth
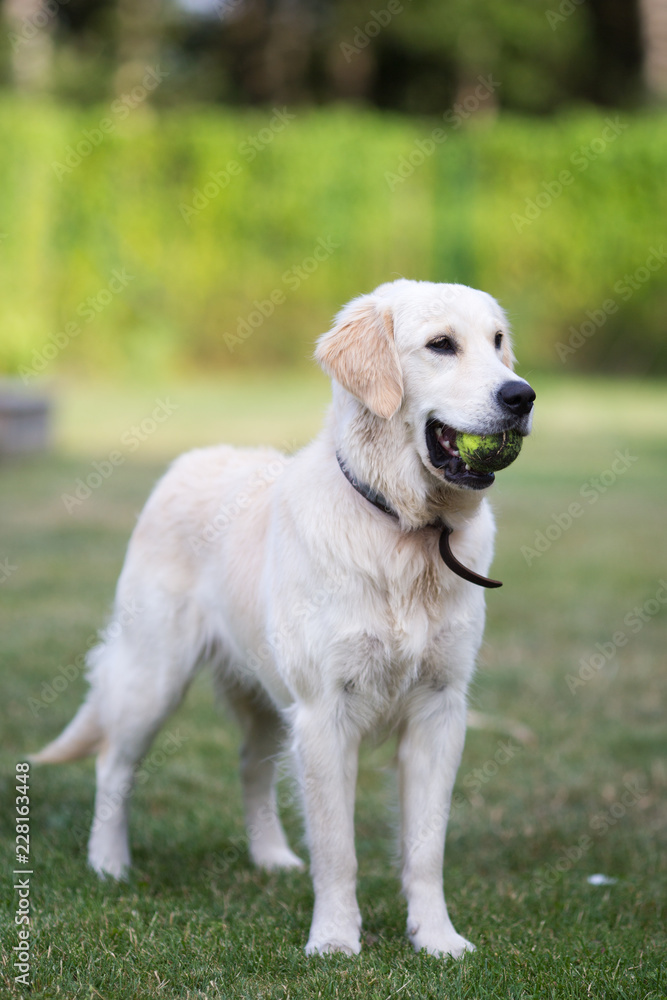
column 489, row 452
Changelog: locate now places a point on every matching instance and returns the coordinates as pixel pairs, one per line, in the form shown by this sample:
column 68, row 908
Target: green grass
column 195, row 920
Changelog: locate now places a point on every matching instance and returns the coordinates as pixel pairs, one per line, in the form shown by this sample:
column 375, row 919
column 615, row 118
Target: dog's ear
column 360, row 353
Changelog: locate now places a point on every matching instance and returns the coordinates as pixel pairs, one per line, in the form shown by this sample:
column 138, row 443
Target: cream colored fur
column 324, row 618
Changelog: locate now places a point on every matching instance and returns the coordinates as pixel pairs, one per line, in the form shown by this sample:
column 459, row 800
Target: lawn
column 564, row 773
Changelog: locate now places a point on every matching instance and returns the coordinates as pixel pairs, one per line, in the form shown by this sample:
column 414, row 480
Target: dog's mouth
column 441, row 444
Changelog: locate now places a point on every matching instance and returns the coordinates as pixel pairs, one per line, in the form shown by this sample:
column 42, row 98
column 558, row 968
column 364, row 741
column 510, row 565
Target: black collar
column 448, row 557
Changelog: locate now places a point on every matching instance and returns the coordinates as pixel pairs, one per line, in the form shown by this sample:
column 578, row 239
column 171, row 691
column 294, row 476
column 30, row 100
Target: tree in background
column 654, row 37
column 30, row 44
column 416, row 56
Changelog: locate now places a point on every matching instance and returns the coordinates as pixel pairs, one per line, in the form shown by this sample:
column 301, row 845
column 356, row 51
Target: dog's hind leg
column 136, row 690
column 263, row 739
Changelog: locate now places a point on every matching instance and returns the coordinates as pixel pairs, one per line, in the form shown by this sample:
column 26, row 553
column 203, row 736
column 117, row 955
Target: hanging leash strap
column 448, row 557
column 450, row 560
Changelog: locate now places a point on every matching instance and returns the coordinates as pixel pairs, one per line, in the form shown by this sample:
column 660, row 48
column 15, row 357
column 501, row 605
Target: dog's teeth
column 467, row 467
column 446, row 442
column 456, row 453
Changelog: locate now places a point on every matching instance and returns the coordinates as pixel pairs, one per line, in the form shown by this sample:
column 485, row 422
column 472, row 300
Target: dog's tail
column 82, row 737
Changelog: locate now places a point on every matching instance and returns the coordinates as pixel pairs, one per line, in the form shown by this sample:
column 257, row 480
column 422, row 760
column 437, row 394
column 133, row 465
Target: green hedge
column 151, row 246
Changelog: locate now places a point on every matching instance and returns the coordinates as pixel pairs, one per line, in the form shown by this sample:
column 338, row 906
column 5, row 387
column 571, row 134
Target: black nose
column 517, row 397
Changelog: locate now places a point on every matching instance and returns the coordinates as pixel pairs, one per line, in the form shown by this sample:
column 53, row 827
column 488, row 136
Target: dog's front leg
column 327, row 754
column 429, row 754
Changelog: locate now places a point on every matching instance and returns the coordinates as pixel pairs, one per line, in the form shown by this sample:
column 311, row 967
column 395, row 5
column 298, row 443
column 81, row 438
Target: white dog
column 314, row 585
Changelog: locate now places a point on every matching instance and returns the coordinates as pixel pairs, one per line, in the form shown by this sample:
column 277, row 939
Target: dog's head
column 436, row 357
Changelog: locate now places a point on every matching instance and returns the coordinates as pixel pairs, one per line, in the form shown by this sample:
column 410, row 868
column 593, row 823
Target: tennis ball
column 489, row 452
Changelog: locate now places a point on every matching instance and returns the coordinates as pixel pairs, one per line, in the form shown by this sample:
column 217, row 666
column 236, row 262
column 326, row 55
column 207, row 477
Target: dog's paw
column 276, row 858
column 331, row 934
column 109, row 861
column 441, row 944
column 333, row 946
column 107, row 867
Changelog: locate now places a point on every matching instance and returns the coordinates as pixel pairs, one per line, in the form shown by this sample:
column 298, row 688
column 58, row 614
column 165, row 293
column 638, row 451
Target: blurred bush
column 138, row 242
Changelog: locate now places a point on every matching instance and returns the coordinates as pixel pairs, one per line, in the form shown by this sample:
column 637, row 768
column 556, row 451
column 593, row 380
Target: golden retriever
column 317, row 588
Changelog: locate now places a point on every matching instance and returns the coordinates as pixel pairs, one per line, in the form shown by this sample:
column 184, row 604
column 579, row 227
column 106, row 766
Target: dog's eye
column 443, row 345
column 498, row 341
